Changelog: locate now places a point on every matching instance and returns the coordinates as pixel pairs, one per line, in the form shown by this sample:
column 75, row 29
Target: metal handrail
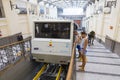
column 18, row 42
column 12, row 35
column 11, row 53
column 72, row 62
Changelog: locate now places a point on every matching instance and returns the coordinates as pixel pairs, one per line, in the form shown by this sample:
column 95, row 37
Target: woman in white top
column 83, row 44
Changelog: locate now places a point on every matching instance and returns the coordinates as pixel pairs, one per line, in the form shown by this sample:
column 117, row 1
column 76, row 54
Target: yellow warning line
column 40, row 72
column 58, row 75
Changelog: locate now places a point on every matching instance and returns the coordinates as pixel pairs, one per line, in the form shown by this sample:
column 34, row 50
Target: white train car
column 52, row 41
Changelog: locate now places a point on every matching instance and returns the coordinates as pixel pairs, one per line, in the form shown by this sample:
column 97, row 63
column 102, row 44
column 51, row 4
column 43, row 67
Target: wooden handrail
column 27, row 33
column 12, row 35
column 18, row 42
column 70, row 70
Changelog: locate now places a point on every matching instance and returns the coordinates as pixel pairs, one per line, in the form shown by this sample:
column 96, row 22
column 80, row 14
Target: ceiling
column 67, row 3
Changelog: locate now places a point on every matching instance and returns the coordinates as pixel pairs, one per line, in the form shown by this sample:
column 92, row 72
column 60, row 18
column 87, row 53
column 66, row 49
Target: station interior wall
column 106, row 26
column 14, row 23
column 102, row 23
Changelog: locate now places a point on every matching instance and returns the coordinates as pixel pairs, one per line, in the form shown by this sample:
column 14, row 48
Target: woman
column 78, row 41
column 83, row 44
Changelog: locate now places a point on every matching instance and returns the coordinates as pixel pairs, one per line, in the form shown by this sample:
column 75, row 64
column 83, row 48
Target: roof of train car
column 52, row 20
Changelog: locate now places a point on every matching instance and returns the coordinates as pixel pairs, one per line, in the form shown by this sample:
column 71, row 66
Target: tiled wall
column 112, row 45
column 117, row 48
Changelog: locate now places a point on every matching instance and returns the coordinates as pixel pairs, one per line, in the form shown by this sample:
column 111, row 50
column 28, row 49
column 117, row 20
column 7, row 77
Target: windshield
column 52, row 30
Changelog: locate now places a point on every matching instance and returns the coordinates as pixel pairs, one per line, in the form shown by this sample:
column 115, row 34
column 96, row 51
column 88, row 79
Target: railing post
column 71, row 75
column 74, row 68
column 31, row 57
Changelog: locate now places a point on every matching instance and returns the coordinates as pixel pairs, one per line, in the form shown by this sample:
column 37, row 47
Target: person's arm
column 77, row 40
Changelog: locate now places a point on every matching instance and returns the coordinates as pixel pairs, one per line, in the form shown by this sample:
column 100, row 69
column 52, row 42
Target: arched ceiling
column 67, row 3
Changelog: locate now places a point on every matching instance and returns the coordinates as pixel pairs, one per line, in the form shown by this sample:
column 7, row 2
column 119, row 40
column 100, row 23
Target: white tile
column 100, row 68
column 100, row 62
column 89, row 76
column 103, row 54
column 98, row 50
column 95, row 47
column 103, row 60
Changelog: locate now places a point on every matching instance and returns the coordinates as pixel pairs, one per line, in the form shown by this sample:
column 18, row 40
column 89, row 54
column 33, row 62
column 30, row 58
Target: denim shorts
column 84, row 51
column 78, row 47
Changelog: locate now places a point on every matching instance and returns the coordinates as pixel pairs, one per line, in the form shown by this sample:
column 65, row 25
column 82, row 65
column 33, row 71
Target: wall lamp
column 13, row 6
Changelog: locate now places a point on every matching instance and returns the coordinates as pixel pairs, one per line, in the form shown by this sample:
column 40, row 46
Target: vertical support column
column 5, row 4
column 28, row 15
column 118, row 21
column 102, row 26
column 95, row 23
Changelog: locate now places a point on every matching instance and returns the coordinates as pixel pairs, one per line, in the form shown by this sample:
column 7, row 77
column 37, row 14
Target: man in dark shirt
column 91, row 37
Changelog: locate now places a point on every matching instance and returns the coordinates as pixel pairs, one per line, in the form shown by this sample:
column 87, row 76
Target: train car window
column 52, row 30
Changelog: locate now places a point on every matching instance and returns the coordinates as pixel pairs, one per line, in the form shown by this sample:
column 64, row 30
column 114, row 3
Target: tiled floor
column 101, row 64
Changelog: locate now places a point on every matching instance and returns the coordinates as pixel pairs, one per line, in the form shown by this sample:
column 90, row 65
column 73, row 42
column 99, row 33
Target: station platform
column 101, row 64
